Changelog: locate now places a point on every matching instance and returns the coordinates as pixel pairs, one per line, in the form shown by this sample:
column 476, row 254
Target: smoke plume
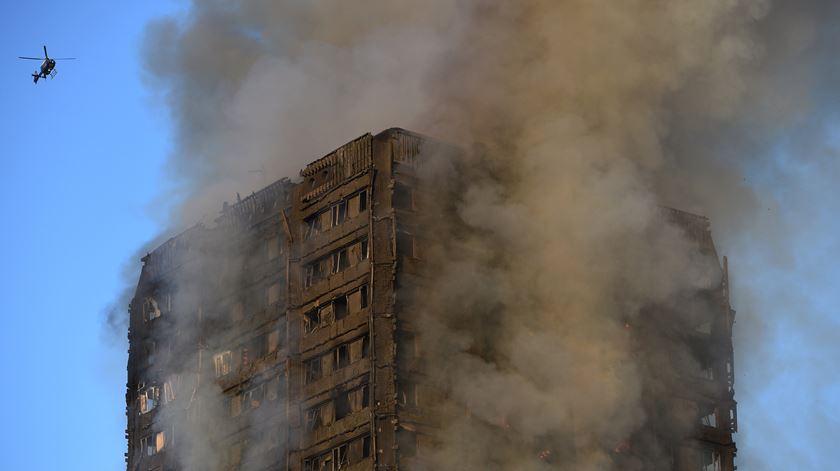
column 579, row 120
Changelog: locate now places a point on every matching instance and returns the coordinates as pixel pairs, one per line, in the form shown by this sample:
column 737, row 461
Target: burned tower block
column 274, row 340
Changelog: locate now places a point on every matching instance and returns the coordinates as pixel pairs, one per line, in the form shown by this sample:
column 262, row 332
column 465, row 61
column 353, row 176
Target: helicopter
column 47, row 66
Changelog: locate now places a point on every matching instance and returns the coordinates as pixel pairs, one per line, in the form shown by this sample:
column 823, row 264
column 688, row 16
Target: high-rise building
column 273, row 339
column 694, row 415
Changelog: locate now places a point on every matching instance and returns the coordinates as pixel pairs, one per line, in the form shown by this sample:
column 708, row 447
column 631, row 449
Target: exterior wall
column 224, row 292
column 707, row 392
column 414, row 422
column 331, row 419
column 318, row 338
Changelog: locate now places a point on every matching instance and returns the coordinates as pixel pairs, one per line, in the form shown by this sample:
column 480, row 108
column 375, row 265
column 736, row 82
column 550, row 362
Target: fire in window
column 160, row 441
column 151, row 445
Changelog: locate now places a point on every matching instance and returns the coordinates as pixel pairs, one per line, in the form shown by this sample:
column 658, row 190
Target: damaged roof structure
column 286, row 336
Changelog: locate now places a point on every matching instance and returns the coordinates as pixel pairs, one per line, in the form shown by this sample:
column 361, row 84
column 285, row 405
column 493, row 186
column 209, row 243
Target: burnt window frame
column 312, row 226
column 364, row 249
column 314, row 272
column 150, row 304
column 312, row 417
column 311, row 320
column 339, row 213
column 713, row 452
column 364, row 292
column 338, row 357
column 341, row 308
column 148, row 399
column 227, row 366
column 248, row 397
column 308, row 366
column 706, row 410
column 339, row 455
column 340, row 260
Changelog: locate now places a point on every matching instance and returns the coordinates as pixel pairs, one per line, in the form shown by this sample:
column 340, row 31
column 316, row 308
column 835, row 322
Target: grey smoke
column 590, row 115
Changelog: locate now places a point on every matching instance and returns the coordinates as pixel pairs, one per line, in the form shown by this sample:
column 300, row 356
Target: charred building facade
column 278, row 339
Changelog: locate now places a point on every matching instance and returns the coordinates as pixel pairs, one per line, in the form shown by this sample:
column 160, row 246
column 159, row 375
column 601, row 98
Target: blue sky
column 787, row 297
column 81, row 160
column 82, row 163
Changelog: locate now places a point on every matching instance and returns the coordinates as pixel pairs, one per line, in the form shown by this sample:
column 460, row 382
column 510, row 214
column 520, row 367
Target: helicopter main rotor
column 47, row 57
